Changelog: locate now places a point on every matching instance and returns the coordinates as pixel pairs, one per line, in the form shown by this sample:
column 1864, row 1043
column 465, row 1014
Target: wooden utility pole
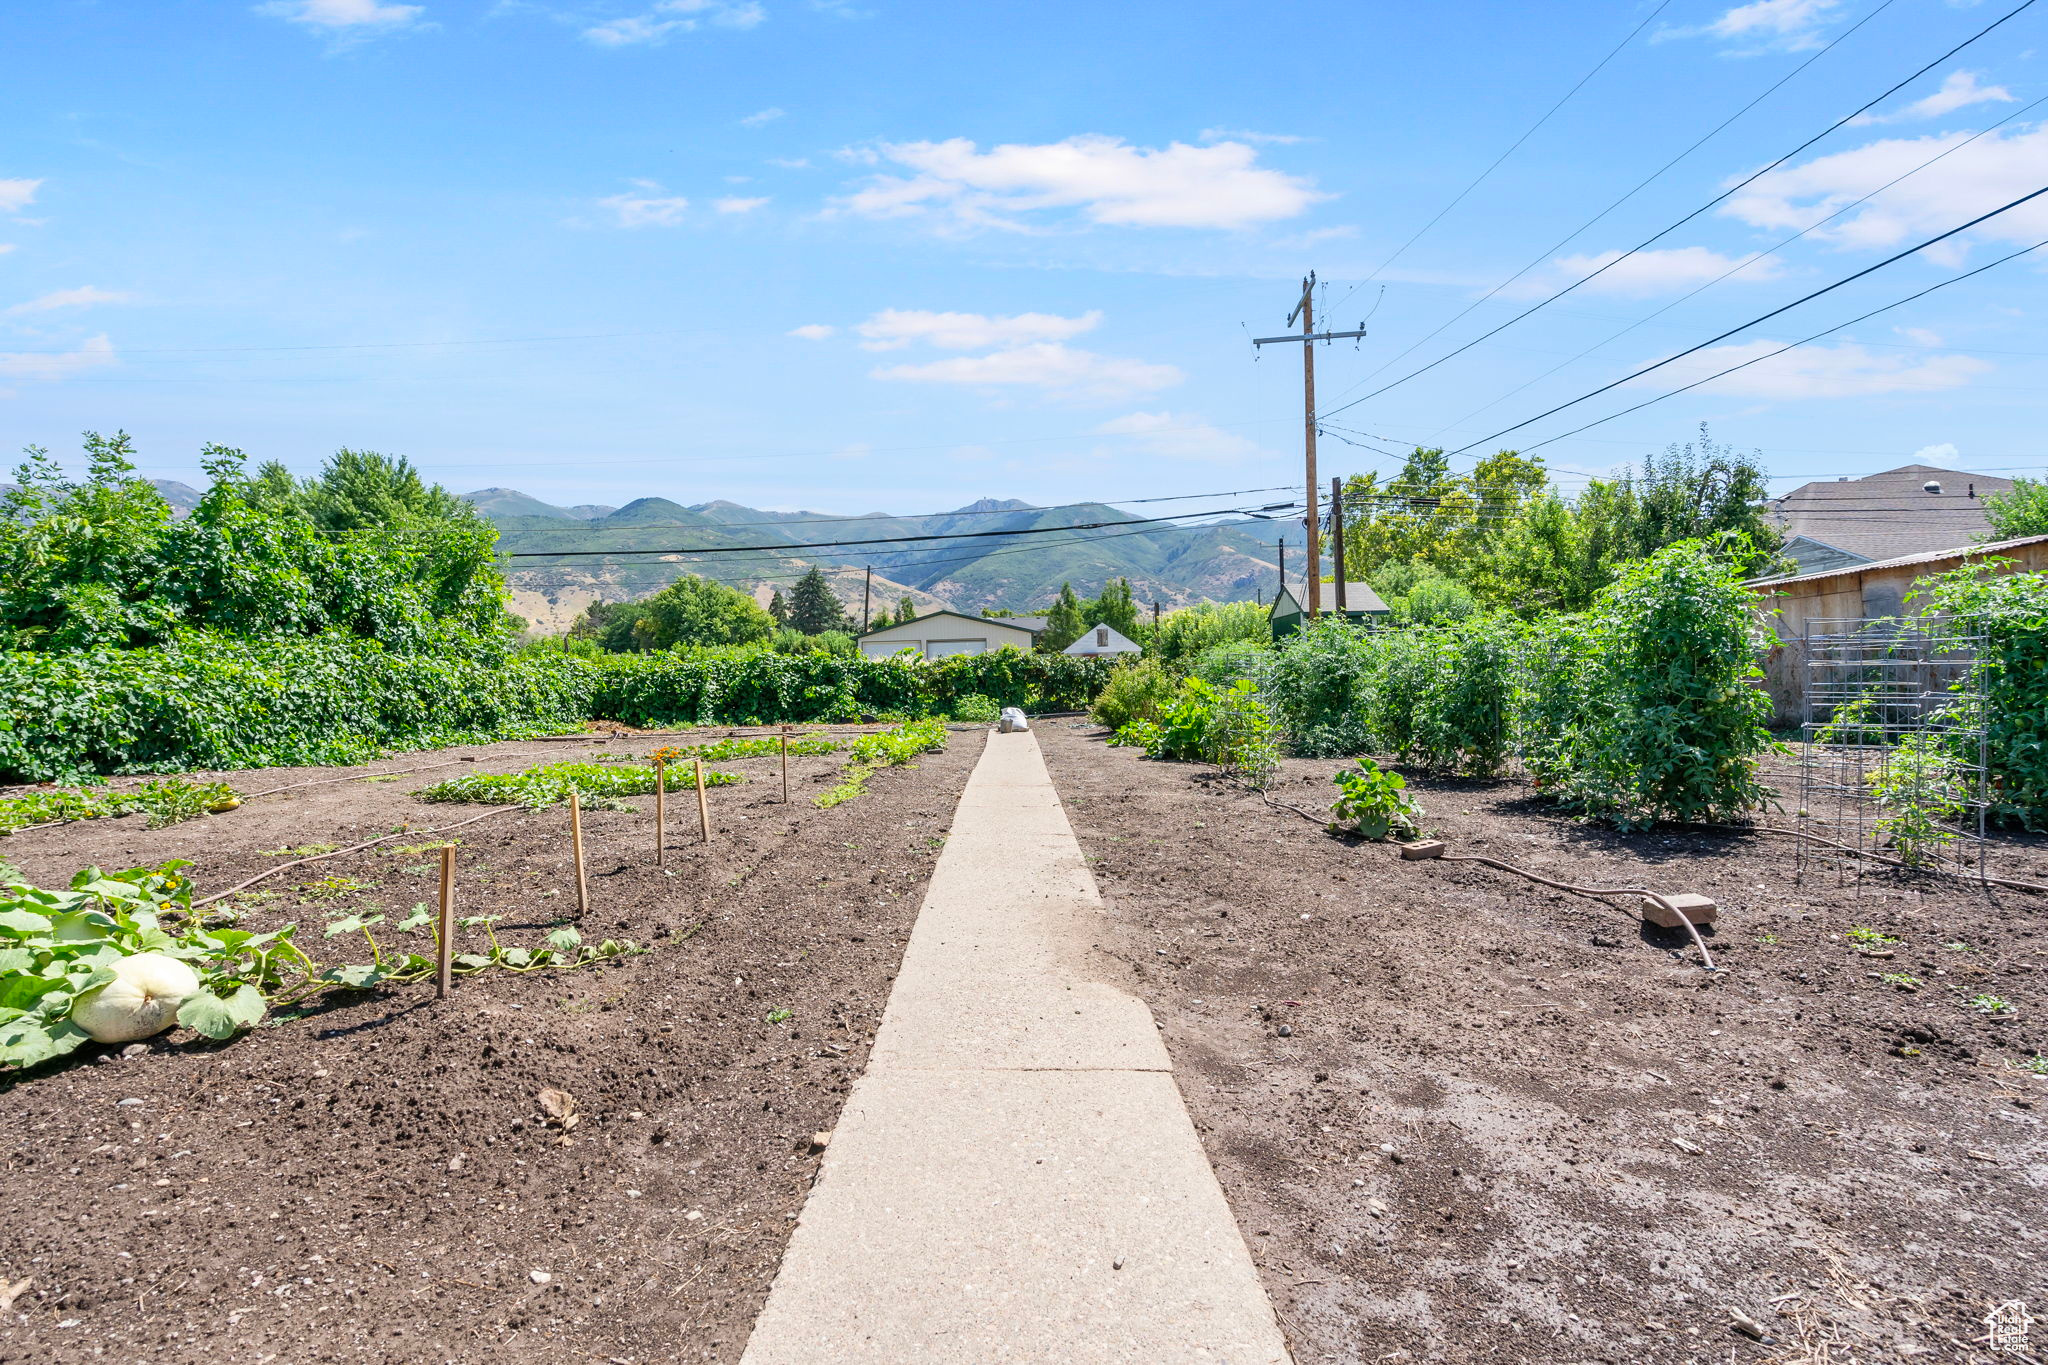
column 867, row 591
column 1281, row 546
column 1337, row 535
column 1312, row 574
column 1155, row 613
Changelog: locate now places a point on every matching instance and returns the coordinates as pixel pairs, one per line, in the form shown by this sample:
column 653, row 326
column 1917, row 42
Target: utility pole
column 1305, row 310
column 867, row 592
column 1155, row 613
column 1281, row 546
column 1337, row 534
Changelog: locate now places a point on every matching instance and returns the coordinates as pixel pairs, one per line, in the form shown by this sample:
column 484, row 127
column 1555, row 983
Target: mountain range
column 1004, row 565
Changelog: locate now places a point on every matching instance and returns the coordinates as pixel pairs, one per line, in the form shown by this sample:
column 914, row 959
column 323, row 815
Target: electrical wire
column 1665, row 231
column 1749, row 261
column 1516, row 146
column 1805, row 298
column 1828, row 331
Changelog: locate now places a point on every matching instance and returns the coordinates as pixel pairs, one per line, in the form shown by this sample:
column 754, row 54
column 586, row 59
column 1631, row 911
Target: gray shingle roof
column 1888, row 515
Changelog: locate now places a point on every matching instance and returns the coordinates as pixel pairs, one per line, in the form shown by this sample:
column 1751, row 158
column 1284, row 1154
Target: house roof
column 1118, row 641
column 1991, row 547
column 1884, row 516
column 1357, row 597
column 1029, row 624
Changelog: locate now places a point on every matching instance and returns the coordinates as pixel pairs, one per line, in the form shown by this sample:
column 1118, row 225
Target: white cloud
column 6, row 247
column 1945, row 453
column 1650, row 272
column 83, row 297
column 1919, row 336
column 1242, row 135
column 1057, row 369
column 1162, row 433
column 16, row 195
column 1767, row 25
column 764, row 117
column 813, row 331
column 671, row 17
column 646, row 210
column 894, row 328
column 1846, row 370
column 1959, row 91
column 1993, row 170
column 791, row 163
column 91, row 354
column 338, row 15
column 1106, row 179
column 736, row 205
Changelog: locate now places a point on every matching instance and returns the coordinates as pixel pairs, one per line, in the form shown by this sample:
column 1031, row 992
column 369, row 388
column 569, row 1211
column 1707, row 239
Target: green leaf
column 353, row 976
column 518, row 957
column 565, row 940
column 24, row 922
column 208, row 1014
column 26, row 1043
column 474, row 961
column 418, row 919
column 246, row 1005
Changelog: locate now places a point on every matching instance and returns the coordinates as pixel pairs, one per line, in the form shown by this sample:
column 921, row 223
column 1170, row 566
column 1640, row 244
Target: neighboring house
column 1361, row 603
column 951, row 632
column 1103, row 642
column 1860, row 592
column 1843, row 522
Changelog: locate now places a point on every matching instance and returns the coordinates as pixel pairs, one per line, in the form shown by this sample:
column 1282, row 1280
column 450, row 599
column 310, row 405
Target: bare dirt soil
column 1462, row 1117
column 378, row 1181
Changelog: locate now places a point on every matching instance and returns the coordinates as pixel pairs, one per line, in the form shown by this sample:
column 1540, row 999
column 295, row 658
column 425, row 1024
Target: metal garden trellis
column 1893, row 759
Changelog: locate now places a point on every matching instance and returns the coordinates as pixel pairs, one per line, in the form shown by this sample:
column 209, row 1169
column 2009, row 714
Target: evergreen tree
column 778, row 608
column 906, row 613
column 1064, row 622
column 813, row 607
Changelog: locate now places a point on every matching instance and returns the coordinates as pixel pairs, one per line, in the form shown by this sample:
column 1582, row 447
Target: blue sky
column 848, row 256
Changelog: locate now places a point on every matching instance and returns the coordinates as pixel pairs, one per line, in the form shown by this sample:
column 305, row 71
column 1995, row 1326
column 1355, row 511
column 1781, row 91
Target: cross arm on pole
column 1310, row 336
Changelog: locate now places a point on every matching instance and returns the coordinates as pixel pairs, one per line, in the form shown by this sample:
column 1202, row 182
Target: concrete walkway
column 1014, row 1178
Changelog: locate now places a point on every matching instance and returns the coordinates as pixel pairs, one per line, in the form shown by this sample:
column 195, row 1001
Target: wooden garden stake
column 446, row 951
column 576, row 844
column 703, row 806
column 785, row 765
column 660, row 811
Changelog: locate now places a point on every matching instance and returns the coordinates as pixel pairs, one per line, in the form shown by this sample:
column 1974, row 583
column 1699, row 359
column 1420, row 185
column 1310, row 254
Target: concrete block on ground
column 1422, row 848
column 1698, row 909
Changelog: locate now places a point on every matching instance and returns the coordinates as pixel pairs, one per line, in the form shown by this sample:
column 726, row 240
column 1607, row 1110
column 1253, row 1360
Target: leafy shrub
column 976, row 709
column 1373, row 802
column 599, row 785
column 1183, row 634
column 1320, row 683
column 1231, row 661
column 1464, row 706
column 2011, row 612
column 1134, row 692
column 1672, row 728
column 1231, row 728
column 1920, row 792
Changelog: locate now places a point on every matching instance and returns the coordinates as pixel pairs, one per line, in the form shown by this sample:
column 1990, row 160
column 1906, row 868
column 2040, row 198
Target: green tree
column 778, row 608
column 907, row 612
column 1064, row 622
column 2021, row 511
column 813, row 607
column 1115, row 607
column 697, row 611
column 882, row 620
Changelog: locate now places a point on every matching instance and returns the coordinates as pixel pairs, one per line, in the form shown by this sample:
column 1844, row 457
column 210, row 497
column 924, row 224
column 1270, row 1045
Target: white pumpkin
column 141, row 1001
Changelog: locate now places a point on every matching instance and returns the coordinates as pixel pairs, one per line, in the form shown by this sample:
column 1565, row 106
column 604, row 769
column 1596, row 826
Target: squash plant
column 61, row 949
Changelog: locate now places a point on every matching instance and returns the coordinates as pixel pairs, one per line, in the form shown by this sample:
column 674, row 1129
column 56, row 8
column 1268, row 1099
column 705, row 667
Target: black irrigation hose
column 1593, row 891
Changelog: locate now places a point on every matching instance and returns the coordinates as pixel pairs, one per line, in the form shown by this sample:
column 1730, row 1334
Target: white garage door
column 939, row 649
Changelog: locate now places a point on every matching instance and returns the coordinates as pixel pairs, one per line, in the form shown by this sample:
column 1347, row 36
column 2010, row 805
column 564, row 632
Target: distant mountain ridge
column 1175, row 566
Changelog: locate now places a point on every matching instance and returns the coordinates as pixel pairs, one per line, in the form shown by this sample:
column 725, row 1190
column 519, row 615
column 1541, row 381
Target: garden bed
column 1505, row 1123
column 380, row 1180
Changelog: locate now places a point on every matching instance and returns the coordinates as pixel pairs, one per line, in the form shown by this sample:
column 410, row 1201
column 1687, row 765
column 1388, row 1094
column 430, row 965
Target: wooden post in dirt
column 576, row 848
column 445, row 954
column 703, row 806
column 785, row 765
column 660, row 811
column 1337, row 536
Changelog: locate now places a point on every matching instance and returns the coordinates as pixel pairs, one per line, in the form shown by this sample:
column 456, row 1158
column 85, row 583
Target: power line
column 891, row 540
column 1942, row 284
column 1747, row 262
column 1665, row 231
column 1740, row 327
column 1497, row 161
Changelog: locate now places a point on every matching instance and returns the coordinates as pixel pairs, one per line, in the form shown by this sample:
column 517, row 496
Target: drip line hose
column 352, row 848
column 2035, row 888
column 1593, row 891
